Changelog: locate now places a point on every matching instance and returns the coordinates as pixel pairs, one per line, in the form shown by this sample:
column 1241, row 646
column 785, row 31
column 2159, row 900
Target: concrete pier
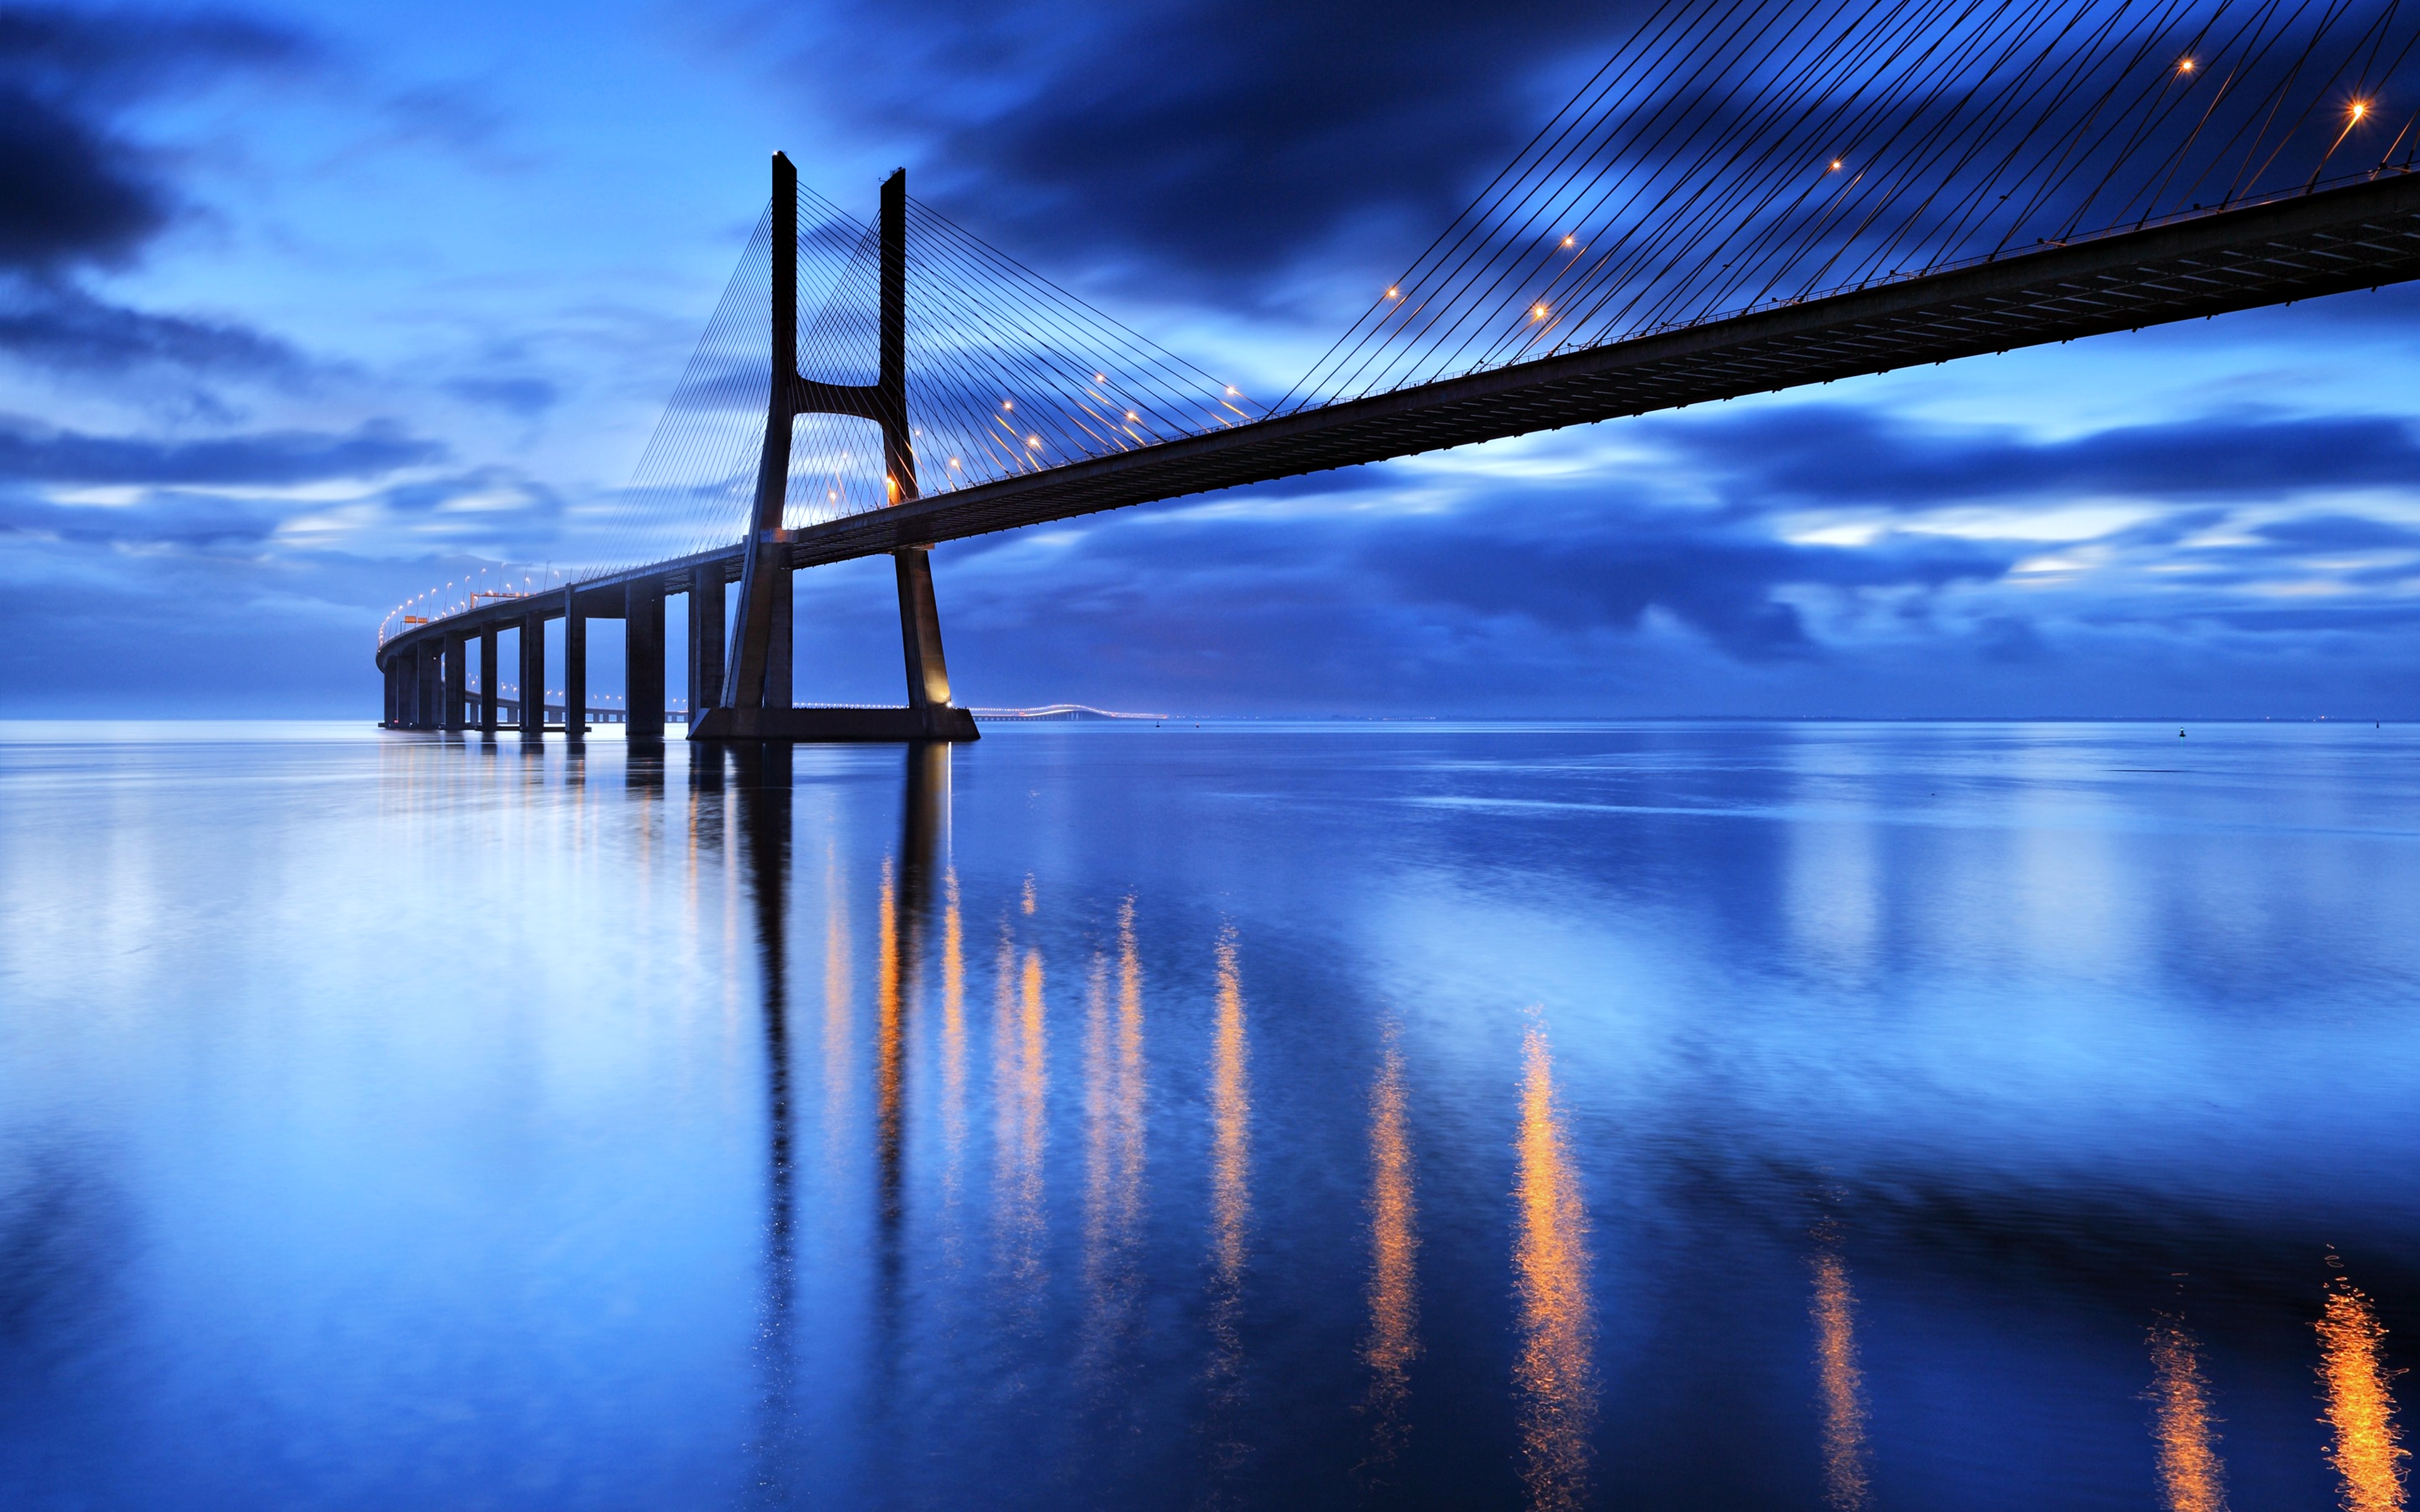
column 457, row 681
column 643, row 654
column 533, row 676
column 704, row 638
column 427, row 661
column 488, row 697
column 575, row 667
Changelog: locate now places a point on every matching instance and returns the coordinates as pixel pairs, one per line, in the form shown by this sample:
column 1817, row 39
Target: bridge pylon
column 755, row 700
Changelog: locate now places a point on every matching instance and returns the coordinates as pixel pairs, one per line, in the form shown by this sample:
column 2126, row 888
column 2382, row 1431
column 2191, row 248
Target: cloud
column 523, row 397
column 64, row 328
column 198, row 522
column 2339, row 532
column 1827, row 454
column 75, row 191
column 1509, row 596
column 29, row 453
column 1212, row 142
column 69, row 194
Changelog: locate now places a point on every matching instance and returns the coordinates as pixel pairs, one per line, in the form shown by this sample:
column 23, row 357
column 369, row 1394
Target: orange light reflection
column 1834, row 1313
column 1555, row 1372
column 1394, row 1339
column 2191, row 1477
column 2365, row 1447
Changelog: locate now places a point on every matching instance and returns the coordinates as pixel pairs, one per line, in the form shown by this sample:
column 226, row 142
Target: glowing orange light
column 1035, row 442
column 1555, row 1371
column 1834, row 1313
column 2185, row 65
column 954, row 461
column 2191, row 1473
column 1130, row 414
column 1537, row 312
column 2366, row 1450
column 1392, row 293
column 1836, row 165
column 1100, row 377
column 1231, row 388
column 1008, row 403
column 1394, row 1339
column 1567, row 241
column 2360, row 108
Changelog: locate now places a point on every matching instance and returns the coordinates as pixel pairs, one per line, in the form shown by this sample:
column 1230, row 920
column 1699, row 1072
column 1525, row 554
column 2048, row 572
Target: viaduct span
column 2155, row 124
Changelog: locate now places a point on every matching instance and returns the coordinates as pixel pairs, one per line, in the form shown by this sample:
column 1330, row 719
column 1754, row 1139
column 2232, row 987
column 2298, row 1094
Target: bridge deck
column 2359, row 236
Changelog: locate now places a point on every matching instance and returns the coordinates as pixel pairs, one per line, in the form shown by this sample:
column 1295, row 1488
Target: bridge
column 1667, row 239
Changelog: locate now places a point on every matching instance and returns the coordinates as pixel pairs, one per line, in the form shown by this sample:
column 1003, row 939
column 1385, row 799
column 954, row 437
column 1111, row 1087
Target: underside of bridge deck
column 2356, row 237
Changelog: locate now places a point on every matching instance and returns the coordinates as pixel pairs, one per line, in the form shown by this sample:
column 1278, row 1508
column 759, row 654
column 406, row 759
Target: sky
column 305, row 310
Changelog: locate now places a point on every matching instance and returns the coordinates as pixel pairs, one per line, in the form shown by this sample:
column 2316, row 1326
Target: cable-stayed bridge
column 1748, row 198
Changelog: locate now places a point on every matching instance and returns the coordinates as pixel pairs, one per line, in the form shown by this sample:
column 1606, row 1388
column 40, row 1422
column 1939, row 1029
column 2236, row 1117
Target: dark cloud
column 1216, row 140
column 77, row 191
column 73, row 189
column 64, row 328
column 67, row 194
column 34, row 455
column 1836, row 455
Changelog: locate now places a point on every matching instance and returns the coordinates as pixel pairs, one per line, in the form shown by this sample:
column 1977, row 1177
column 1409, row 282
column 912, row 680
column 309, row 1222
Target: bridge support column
column 487, row 679
column 533, row 676
column 704, row 640
column 643, row 658
column 575, row 667
column 920, row 638
column 458, row 679
column 783, row 642
column 428, row 681
column 392, row 673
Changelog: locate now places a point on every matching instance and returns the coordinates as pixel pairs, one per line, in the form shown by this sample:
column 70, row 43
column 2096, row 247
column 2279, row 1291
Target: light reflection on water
column 1843, row 1384
column 1394, row 1337
column 2193, row 1478
column 2365, row 1444
column 1425, row 1118
column 1555, row 1372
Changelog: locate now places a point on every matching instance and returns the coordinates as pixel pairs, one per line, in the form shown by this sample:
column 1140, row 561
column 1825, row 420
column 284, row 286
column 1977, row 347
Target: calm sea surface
column 1632, row 1116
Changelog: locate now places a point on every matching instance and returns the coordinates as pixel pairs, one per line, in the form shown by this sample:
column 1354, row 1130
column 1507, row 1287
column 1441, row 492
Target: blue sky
column 304, row 310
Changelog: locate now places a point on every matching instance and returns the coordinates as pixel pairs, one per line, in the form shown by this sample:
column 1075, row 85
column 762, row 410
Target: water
column 1634, row 1115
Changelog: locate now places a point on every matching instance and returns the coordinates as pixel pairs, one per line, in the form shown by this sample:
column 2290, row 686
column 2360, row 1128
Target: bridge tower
column 755, row 700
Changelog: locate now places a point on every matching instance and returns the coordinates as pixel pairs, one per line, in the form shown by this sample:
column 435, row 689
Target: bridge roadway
column 2357, row 236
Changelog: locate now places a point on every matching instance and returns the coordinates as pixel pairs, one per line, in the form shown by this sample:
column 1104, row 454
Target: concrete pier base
column 728, row 724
